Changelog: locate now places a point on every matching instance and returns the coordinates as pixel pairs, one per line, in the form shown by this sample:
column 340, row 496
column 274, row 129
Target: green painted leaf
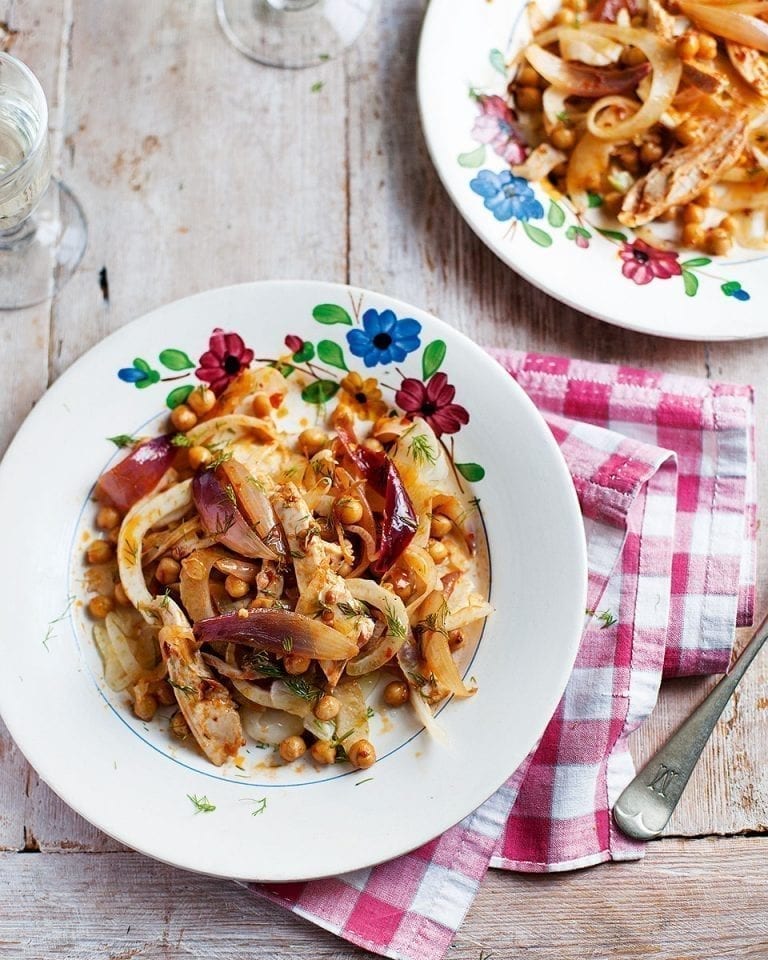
column 177, row 396
column 496, row 58
column 537, row 235
column 306, row 353
column 329, row 313
column 613, row 234
column 142, row 365
column 471, row 471
column 696, row 262
column 594, row 200
column 574, row 231
column 556, row 215
column 331, row 353
column 175, row 360
column 320, row 391
column 730, row 287
column 690, row 282
column 473, row 158
column 122, row 440
column 432, row 359
column 152, row 377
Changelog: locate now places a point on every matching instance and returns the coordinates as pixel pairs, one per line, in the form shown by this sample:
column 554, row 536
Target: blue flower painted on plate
column 507, row 196
column 384, row 338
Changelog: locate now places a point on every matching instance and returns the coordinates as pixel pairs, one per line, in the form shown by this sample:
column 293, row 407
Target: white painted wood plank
column 681, row 901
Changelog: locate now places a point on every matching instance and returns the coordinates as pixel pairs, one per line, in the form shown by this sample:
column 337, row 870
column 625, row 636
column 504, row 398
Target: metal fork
column 645, row 806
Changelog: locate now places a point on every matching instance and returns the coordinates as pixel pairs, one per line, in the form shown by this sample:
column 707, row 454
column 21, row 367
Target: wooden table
column 198, row 168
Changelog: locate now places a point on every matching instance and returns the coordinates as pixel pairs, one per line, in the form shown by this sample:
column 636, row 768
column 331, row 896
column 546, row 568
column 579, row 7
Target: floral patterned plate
column 255, row 820
column 586, row 260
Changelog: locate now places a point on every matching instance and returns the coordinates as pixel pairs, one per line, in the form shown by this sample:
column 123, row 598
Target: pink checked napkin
column 664, row 469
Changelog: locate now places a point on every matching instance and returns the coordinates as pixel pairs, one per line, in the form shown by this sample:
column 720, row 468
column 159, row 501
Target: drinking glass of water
column 292, row 33
column 42, row 228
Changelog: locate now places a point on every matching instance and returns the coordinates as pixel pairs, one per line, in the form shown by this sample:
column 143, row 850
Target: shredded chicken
column 684, row 173
column 751, row 65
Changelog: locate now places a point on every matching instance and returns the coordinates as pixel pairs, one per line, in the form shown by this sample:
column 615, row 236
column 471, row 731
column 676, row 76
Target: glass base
column 292, row 33
column 39, row 258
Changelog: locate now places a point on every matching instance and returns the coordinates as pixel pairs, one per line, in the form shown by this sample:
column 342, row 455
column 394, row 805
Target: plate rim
column 36, row 753
column 435, row 10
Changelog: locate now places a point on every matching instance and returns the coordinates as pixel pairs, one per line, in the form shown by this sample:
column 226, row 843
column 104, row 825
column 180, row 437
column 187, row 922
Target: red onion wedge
column 221, row 517
column 138, row 474
column 278, row 631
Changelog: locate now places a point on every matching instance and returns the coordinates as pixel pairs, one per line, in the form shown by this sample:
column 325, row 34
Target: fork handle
column 645, row 806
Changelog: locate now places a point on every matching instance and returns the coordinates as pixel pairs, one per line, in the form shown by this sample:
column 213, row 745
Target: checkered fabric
column 664, row 469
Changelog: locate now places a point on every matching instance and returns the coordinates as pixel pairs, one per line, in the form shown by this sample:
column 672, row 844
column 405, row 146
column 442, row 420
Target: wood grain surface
column 198, row 168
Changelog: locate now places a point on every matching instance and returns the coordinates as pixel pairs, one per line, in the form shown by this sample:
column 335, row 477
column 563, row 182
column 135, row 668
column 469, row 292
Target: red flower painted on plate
column 225, row 357
column 642, row 262
column 433, row 402
column 294, row 343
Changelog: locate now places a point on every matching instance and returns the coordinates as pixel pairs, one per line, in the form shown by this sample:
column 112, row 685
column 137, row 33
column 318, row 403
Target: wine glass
column 292, row 33
column 42, row 227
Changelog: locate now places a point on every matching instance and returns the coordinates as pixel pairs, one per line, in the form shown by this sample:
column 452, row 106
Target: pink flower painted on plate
column 497, row 126
column 433, row 402
column 642, row 262
column 294, row 343
column 225, row 357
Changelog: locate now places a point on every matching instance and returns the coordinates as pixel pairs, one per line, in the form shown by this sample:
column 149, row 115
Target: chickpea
column 693, row 235
column 633, row 57
column 348, row 511
column 693, row 213
column 456, row 639
column 528, row 99
column 292, row 748
column 670, row 214
column 362, row 754
column 651, row 152
column 312, row 440
column 719, row 241
column 183, row 418
column 688, row 45
column 629, row 157
column 564, row 18
column 439, row 526
column 144, row 706
column 706, row 198
column 199, row 457
column 328, row 616
column 163, row 692
column 260, row 405
column 438, row 550
column 528, row 77
column 327, row 707
column 113, row 535
column 235, row 587
column 396, row 693
column 100, row 551
column 323, row 751
column 374, row 445
column 107, row 518
column 688, row 131
column 121, row 596
column 202, row 400
column 728, row 224
column 100, row 606
column 562, row 137
column 707, row 47
column 178, row 726
column 613, row 201
column 294, row 664
column 261, row 603
column 168, row 571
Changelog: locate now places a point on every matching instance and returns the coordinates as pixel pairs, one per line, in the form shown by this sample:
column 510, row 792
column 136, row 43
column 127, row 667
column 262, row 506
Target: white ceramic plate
column 682, row 294
column 131, row 779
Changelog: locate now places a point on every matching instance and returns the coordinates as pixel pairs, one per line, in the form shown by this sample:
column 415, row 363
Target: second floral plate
column 584, row 260
column 252, row 818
